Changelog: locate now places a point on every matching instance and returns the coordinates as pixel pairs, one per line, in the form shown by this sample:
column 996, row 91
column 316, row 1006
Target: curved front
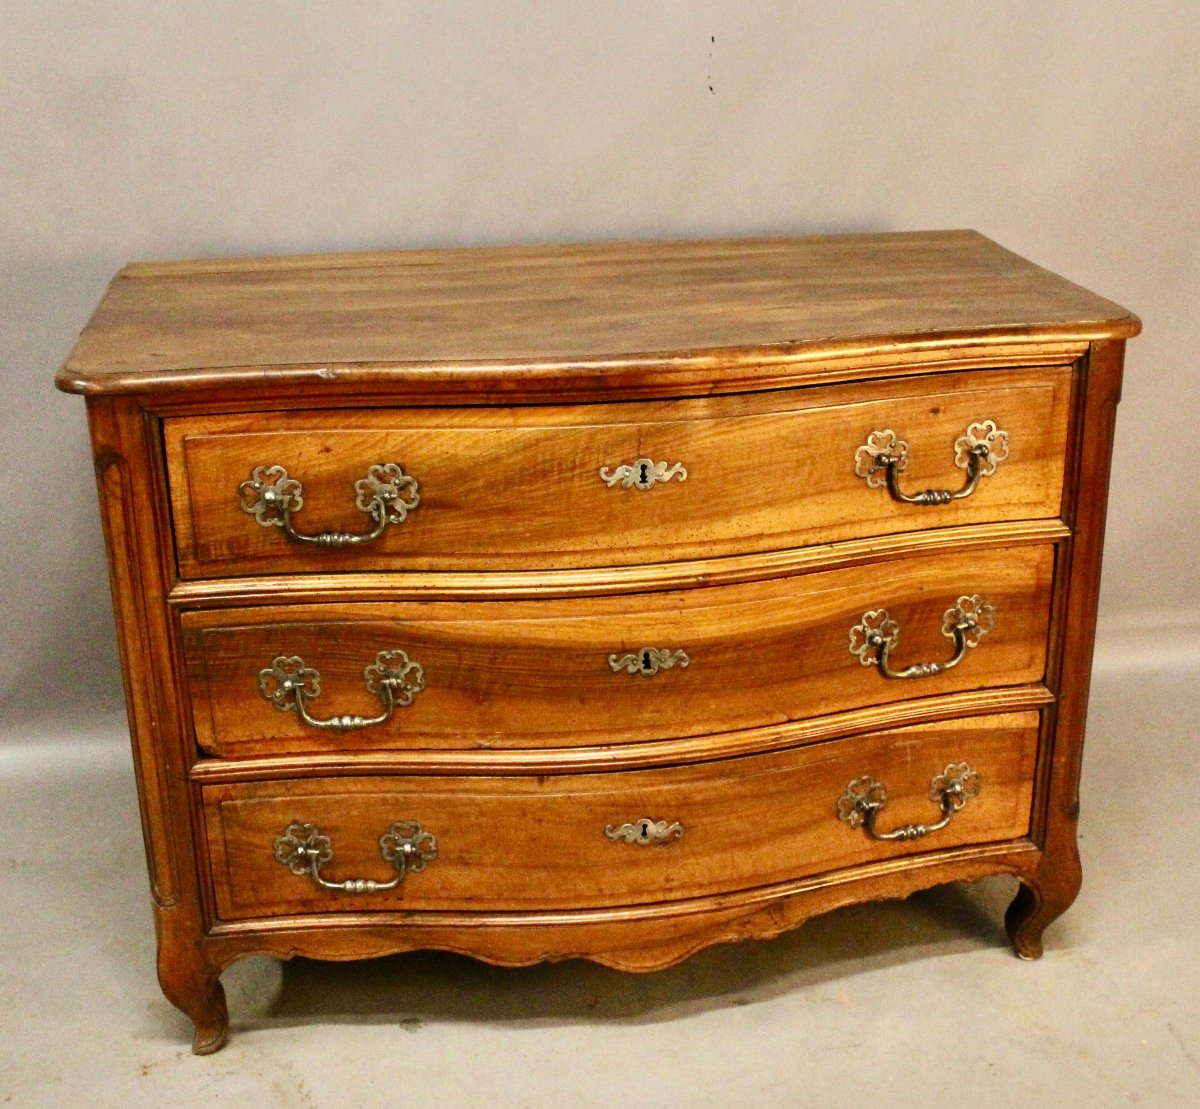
column 604, row 485
column 511, row 843
column 573, row 672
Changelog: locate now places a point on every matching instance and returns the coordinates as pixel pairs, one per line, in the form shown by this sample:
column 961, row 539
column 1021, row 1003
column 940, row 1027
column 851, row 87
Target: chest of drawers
column 601, row 601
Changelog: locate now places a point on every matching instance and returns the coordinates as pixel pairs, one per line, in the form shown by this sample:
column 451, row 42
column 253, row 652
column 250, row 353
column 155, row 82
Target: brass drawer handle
column 872, row 640
column 643, row 473
column 646, row 832
column 865, row 798
column 979, row 450
column 387, row 494
column 289, row 685
column 406, row 845
column 648, row 661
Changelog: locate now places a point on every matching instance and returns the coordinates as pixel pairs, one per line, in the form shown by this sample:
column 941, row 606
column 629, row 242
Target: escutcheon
column 646, row 832
column 643, row 473
column 648, row 661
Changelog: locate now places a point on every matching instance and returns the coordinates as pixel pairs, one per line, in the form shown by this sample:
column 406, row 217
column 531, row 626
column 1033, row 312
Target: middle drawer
column 611, row 670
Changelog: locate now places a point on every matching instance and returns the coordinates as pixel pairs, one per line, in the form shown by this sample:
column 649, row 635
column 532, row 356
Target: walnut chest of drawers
column 603, row 601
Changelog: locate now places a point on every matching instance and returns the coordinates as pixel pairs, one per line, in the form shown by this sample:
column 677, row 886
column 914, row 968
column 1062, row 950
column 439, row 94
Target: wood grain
column 512, row 489
column 624, row 756
column 510, row 369
column 630, row 938
column 126, row 447
column 512, row 843
column 516, row 674
column 446, row 585
column 640, row 377
column 583, row 308
column 1048, row 892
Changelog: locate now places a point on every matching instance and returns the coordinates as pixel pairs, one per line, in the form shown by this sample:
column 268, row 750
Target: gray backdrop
column 1069, row 132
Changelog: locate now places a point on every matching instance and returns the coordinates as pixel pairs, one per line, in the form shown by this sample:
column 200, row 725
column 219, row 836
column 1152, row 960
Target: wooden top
column 488, row 316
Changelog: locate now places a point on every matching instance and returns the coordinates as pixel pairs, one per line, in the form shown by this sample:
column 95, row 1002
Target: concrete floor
column 896, row 1004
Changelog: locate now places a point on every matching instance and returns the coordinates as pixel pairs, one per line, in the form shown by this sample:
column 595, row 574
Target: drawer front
column 589, row 840
column 570, row 672
column 542, row 488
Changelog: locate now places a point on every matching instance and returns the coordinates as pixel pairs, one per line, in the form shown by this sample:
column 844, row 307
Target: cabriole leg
column 195, row 989
column 1038, row 904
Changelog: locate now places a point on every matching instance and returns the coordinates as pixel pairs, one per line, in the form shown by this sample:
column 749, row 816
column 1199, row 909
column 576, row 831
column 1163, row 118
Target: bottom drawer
column 587, row 840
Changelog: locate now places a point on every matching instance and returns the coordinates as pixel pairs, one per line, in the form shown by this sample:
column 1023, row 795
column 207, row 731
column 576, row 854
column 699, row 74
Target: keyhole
column 645, row 827
column 645, row 478
column 645, row 660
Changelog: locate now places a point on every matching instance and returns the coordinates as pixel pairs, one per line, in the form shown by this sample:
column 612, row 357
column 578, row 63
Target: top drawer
column 609, row 484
